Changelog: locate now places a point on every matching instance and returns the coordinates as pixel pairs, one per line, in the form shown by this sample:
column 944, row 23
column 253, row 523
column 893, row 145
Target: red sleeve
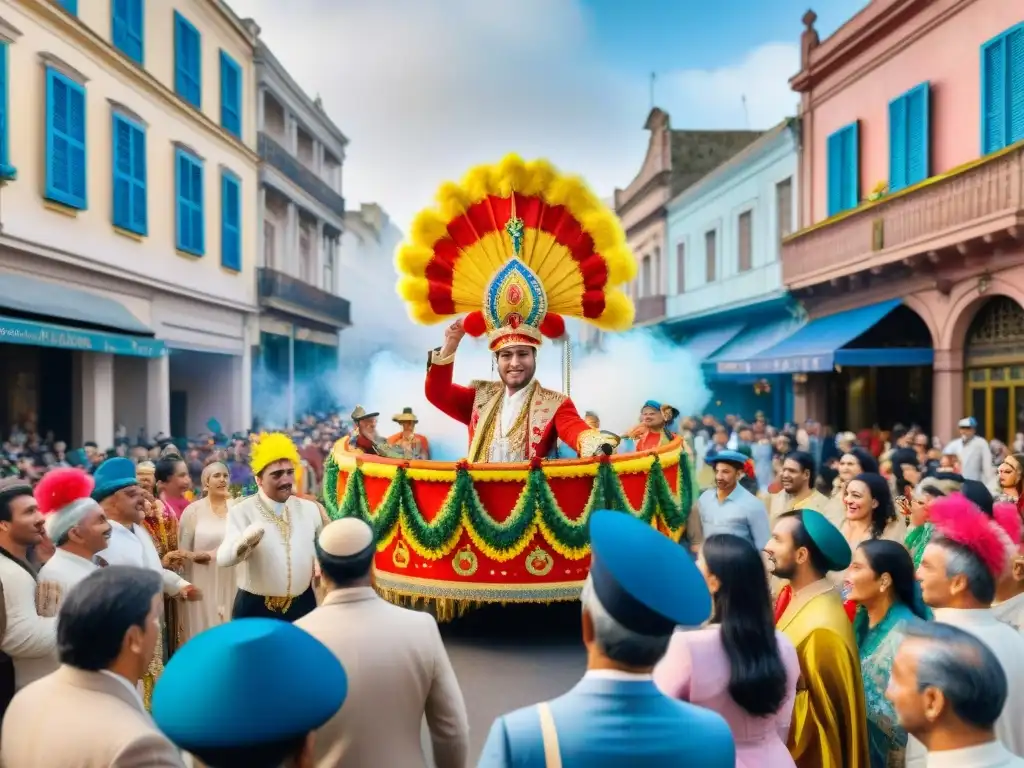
column 570, row 427
column 452, row 399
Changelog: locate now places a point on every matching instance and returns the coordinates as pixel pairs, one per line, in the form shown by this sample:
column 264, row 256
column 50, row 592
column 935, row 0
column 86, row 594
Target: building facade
column 723, row 279
column 910, row 256
column 302, row 218
column 128, row 213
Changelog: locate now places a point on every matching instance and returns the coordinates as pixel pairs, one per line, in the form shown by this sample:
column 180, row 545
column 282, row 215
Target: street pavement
column 512, row 656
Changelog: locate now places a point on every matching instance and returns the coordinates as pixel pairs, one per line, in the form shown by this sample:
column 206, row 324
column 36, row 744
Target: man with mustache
column 29, row 641
column 76, row 525
column 270, row 537
column 364, row 438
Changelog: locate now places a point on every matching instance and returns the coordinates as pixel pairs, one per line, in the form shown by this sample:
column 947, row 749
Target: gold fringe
column 447, row 609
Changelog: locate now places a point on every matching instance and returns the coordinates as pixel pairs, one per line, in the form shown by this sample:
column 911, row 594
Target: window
column 127, row 28
column 709, row 256
column 328, row 265
column 230, row 221
column 230, row 95
column 844, row 169
column 909, row 138
column 65, row 140
column 645, row 277
column 188, row 64
column 71, row 6
column 129, row 163
column 189, row 193
column 680, row 267
column 7, row 171
column 1002, row 90
column 784, row 207
column 746, row 242
column 269, row 239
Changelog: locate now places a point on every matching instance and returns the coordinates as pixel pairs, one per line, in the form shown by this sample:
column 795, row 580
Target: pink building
column 910, row 253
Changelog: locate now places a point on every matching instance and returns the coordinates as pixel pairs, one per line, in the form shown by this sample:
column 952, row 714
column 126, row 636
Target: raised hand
column 453, row 335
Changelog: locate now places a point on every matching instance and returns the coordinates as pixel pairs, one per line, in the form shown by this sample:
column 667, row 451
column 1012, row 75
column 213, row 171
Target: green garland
column 463, row 507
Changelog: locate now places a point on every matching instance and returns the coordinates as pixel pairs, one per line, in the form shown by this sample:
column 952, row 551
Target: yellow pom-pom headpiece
column 269, row 447
column 518, row 247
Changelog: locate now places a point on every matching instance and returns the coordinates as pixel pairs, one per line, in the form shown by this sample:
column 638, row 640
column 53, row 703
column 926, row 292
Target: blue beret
column 113, row 475
column 245, row 683
column 646, row 582
column 652, row 404
column 729, row 457
column 828, row 539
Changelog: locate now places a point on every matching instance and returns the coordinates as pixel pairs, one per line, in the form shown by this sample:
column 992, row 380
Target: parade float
column 515, row 248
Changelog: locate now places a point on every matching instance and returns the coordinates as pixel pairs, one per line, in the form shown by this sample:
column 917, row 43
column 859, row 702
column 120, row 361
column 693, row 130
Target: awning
column 819, row 345
column 705, row 343
column 26, row 295
column 733, row 357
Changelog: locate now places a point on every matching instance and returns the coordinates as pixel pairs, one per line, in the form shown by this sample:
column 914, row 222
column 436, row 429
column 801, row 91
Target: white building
column 127, row 251
column 302, row 215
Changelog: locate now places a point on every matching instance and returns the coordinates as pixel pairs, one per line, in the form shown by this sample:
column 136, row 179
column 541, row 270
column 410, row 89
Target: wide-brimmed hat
column 405, row 416
column 360, row 413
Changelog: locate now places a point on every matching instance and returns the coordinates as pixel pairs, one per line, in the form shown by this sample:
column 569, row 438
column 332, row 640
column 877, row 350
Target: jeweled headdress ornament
column 518, row 247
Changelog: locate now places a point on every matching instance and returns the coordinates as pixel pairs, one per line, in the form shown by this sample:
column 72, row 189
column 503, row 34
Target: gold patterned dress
column 163, row 530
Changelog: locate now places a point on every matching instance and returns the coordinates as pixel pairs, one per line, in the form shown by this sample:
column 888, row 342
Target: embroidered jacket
column 551, row 417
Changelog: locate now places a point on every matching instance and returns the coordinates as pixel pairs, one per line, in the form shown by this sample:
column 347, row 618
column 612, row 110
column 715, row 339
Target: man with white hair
column 640, row 588
column 76, row 525
column 948, row 690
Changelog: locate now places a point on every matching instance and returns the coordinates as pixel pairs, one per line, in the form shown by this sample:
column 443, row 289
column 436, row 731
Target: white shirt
column 124, row 681
column 1011, row 612
column 617, row 674
column 512, row 405
column 133, row 546
column 1008, row 646
column 266, row 570
column 991, row 755
column 66, row 569
column 30, row 639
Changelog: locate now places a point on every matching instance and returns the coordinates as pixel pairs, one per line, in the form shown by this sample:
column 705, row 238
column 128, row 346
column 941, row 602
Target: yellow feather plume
column 269, row 447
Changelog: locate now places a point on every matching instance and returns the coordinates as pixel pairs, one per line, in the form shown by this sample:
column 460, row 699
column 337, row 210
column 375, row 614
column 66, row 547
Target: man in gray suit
column 398, row 668
column 106, row 633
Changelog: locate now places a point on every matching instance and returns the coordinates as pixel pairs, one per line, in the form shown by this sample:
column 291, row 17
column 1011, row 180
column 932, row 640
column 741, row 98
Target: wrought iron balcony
column 650, row 309
column 273, row 153
column 979, row 203
column 288, row 294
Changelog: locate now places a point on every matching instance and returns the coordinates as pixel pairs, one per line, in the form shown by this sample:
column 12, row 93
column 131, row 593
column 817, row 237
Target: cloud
column 426, row 90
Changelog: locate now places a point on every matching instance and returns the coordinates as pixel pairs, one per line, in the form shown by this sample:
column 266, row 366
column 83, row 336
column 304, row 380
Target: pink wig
column 956, row 518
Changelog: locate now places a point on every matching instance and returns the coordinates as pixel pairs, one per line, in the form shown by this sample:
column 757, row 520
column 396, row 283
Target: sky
column 426, row 90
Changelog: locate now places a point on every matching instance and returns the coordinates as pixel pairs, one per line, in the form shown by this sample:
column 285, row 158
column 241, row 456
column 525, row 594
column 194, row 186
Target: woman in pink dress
column 738, row 666
column 173, row 481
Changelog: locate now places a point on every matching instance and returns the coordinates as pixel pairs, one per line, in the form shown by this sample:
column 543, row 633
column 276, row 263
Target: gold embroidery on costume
column 516, row 437
column 589, row 442
column 284, row 527
column 400, row 557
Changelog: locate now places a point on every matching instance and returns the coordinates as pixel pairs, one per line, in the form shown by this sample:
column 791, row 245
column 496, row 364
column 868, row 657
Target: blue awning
column 705, row 343
column 33, row 334
column 734, row 357
column 818, row 346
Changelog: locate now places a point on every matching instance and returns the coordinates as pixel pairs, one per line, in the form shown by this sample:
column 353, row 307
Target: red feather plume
column 956, row 518
column 474, row 324
column 552, row 326
column 60, row 487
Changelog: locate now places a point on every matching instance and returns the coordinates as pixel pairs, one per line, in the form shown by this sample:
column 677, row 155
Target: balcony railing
column 288, row 294
column 976, row 202
column 650, row 309
column 293, row 168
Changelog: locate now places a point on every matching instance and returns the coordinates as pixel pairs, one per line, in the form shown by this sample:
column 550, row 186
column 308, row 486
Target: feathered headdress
column 956, row 518
column 64, row 497
column 268, row 447
column 1008, row 518
column 519, row 248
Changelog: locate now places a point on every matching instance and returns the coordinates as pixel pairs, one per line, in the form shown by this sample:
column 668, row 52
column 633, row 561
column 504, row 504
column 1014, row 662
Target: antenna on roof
column 654, row 77
column 746, row 114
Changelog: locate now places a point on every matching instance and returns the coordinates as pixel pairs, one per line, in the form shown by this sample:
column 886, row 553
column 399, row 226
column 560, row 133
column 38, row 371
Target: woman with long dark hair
column 881, row 582
column 739, row 665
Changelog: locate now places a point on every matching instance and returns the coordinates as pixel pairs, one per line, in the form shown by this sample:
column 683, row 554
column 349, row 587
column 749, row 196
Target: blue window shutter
column 128, row 28
column 198, row 222
column 181, row 178
column 230, row 222
column 851, row 166
column 71, row 6
column 140, row 196
column 189, row 203
column 993, row 95
column 65, row 141
column 1015, row 82
column 918, row 133
column 129, row 163
column 230, row 95
column 898, row 120
column 6, row 169
column 188, row 65
column 834, row 149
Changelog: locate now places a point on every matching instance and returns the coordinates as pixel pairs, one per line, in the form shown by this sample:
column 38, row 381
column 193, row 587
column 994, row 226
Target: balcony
column 280, row 158
column 649, row 309
column 291, row 296
column 979, row 203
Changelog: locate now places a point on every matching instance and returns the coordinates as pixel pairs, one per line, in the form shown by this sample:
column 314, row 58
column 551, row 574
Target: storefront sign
column 798, row 364
column 32, row 334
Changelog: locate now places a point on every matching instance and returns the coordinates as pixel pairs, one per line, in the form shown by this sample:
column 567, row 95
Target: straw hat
column 360, row 413
column 405, row 416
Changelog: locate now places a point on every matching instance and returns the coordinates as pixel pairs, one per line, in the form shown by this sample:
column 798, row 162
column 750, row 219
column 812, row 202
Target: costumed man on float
column 518, row 248
column 365, row 438
column 408, row 442
column 653, row 430
column 270, row 537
